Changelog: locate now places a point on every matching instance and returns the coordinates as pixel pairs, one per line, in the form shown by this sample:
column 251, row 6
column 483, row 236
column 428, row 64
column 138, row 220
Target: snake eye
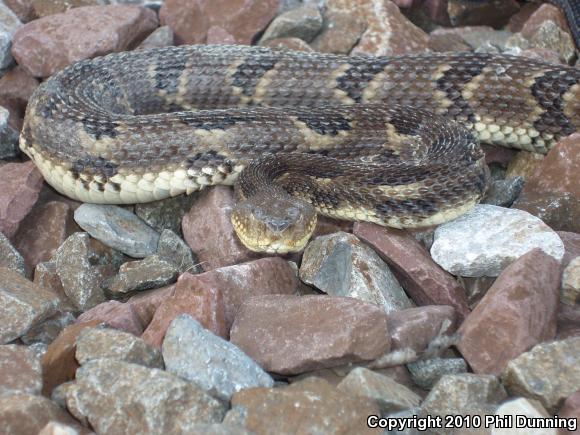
column 259, row 213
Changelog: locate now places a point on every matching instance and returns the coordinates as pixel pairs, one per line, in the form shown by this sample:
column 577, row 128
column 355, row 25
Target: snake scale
column 391, row 140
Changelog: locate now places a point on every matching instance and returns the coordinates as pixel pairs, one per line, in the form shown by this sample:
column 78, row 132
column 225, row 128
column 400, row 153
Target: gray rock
column 427, row 372
column 571, row 283
column 54, row 428
column 23, row 305
column 95, row 343
column 20, row 370
column 217, row 366
column 549, row 372
column 152, row 272
column 9, row 22
column 167, row 213
column 219, row 429
column 46, row 331
column 488, row 238
column 8, row 136
column 82, row 265
column 341, row 265
column 10, row 258
column 522, row 407
column 390, row 396
column 551, row 36
column 118, row 228
column 173, row 248
column 161, row 37
column 503, row 193
column 122, row 398
column 403, row 416
column 304, row 23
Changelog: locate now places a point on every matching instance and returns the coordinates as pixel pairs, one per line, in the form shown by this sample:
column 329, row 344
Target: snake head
column 274, row 224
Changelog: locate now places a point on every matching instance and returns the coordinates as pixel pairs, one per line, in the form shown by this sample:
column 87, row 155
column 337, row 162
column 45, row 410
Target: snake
column 389, row 140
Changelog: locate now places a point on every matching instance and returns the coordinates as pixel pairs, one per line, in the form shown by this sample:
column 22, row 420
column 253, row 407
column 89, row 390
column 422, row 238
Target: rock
column 423, row 279
column 309, row 406
column 47, row 45
column 463, row 393
column 115, row 314
column 119, row 397
column 525, row 299
column 549, row 372
column 190, row 20
column 304, row 23
column 572, row 246
column 166, row 213
column 218, row 35
column 496, row 13
column 524, row 164
column 294, row 334
column 24, row 9
column 571, row 408
column 19, row 187
column 8, row 136
column 58, row 363
column 503, row 193
column 341, row 30
column 44, row 8
column 54, row 428
column 16, row 87
column 82, row 263
column 287, row 44
column 95, row 343
column 209, row 233
column 133, row 276
column 159, row 38
column 145, row 303
column 447, row 42
column 518, row 408
column 426, row 373
column 217, row 366
column 10, row 258
column 205, row 304
column 20, row 370
column 571, row 283
column 25, row 414
column 568, row 321
column 171, row 247
column 22, row 305
column 46, row 276
column 518, row 19
column 341, row 265
column 118, row 228
column 485, row 240
column 9, row 23
column 44, row 229
column 46, row 331
column 389, row 395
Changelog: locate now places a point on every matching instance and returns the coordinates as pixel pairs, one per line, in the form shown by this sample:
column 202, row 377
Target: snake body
column 388, row 140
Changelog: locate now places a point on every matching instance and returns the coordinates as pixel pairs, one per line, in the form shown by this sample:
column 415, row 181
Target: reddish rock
column 47, row 45
column 44, row 229
column 19, row 187
column 16, row 87
column 447, row 42
column 295, row 334
column 544, row 13
column 161, row 37
column 115, row 314
column 24, row 9
column 44, row 8
column 518, row 19
column 209, row 233
column 288, row 44
column 571, row 409
column 58, row 363
column 218, row 35
column 341, row 31
column 145, row 303
column 191, row 19
column 572, row 246
column 206, row 305
column 414, row 328
column 19, row 370
column 568, row 321
column 495, row 13
column 420, row 276
column 309, row 406
column 46, row 276
column 437, row 11
column 517, row 312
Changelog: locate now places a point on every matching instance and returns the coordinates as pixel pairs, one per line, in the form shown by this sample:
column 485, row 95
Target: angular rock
column 304, row 23
column 568, row 321
column 571, row 408
column 308, row 406
column 9, row 23
column 25, row 414
column 46, row 331
column 218, row 35
column 44, row 8
column 118, row 228
column 423, row 279
column 504, row 192
column 9, row 136
column 24, row 9
column 166, row 213
column 119, row 398
column 83, row 263
column 209, row 233
column 172, row 247
column 54, row 428
column 524, row 164
column 426, row 373
column 10, row 258
column 144, row 304
column 22, row 305
column 389, row 395
column 117, row 315
column 46, row 276
column 190, row 20
column 47, row 45
column 517, row 312
column 44, row 229
column 572, row 246
column 571, row 283
column 20, row 370
column 549, row 372
column 516, row 409
column 485, row 240
column 287, row 44
column 133, row 276
column 341, row 265
column 205, row 304
column 16, row 87
column 19, row 187
column 95, row 343
column 447, row 42
column 294, row 334
column 341, row 29
column 217, row 366
column 160, row 37
column 494, row 14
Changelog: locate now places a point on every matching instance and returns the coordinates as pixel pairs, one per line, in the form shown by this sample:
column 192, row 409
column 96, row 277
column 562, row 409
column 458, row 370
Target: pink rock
column 420, row 276
column 16, row 87
column 115, row 314
column 518, row 20
column 145, row 303
column 191, row 19
column 218, row 35
column 47, row 45
column 20, row 184
column 572, row 246
column 295, row 334
column 571, row 409
column 495, row 14
column 568, row 321
column 288, row 44
column 544, row 13
column 24, row 9
column 517, row 312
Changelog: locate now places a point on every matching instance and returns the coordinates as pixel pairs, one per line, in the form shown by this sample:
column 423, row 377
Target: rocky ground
column 155, row 319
